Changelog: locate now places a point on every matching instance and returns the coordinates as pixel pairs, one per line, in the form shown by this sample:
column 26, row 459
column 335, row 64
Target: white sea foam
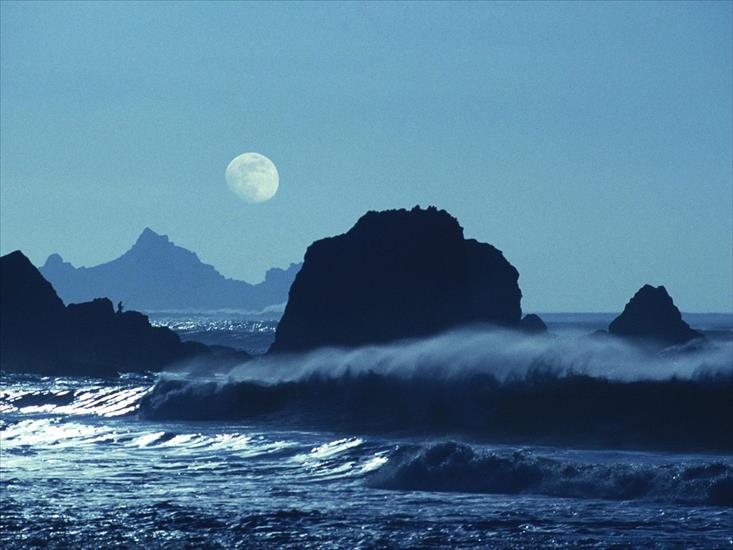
column 501, row 353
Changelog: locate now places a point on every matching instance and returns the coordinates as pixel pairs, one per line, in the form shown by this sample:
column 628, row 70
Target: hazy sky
column 590, row 142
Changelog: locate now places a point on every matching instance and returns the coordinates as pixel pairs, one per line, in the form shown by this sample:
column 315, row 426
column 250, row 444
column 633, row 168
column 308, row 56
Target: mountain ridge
column 155, row 274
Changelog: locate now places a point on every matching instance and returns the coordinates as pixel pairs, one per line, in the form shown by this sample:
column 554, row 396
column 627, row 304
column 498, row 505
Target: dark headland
column 39, row 334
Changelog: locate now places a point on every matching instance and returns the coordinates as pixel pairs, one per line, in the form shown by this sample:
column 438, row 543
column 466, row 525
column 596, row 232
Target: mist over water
column 503, row 354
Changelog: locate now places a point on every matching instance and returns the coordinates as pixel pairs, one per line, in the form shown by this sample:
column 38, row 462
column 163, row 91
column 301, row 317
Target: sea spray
column 496, row 385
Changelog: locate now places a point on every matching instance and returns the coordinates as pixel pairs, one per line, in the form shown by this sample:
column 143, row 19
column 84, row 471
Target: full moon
column 253, row 177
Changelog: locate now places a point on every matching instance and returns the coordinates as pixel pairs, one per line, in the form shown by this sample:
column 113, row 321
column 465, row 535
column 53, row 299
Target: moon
column 252, row 177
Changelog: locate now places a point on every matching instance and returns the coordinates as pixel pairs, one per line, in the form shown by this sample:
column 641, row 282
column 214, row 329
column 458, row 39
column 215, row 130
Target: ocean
column 290, row 456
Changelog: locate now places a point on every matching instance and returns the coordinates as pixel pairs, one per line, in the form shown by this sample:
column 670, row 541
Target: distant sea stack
column 39, row 334
column 533, row 323
column 157, row 275
column 651, row 316
column 396, row 274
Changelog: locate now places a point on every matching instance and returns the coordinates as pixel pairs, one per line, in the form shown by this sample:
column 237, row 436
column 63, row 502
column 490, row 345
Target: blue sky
column 590, row 142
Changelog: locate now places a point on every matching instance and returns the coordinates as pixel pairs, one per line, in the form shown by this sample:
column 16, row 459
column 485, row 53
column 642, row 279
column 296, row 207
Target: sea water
column 81, row 467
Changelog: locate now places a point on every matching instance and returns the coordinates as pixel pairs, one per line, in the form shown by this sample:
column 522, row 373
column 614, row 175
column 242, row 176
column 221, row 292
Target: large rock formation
column 39, row 334
column 396, row 274
column 157, row 275
column 651, row 316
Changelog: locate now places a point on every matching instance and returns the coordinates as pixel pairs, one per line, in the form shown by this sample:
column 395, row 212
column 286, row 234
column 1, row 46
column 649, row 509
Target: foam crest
column 328, row 450
column 499, row 353
column 45, row 433
column 97, row 400
column 53, row 432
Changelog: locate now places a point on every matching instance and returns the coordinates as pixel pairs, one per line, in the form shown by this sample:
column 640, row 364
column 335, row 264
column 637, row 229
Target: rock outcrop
column 533, row 323
column 651, row 316
column 39, row 334
column 157, row 275
column 396, row 274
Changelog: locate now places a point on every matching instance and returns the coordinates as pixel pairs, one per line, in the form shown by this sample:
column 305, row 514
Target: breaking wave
column 501, row 353
column 492, row 384
column 456, row 467
column 540, row 408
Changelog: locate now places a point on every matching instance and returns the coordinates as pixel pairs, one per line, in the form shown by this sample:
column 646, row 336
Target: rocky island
column 651, row 318
column 397, row 274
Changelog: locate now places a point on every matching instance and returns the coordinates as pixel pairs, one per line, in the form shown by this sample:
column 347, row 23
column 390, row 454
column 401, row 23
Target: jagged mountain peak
column 156, row 274
column 150, row 238
column 159, row 249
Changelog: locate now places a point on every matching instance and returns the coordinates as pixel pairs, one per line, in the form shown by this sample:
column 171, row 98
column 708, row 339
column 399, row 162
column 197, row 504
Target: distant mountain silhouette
column 39, row 334
column 651, row 316
column 396, row 274
column 157, row 275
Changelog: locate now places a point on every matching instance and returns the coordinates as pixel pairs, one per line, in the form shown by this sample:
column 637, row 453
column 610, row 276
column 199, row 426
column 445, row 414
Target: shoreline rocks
column 39, row 334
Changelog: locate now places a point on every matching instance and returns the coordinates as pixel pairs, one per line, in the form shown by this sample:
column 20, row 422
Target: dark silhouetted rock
column 157, row 275
column 39, row 334
column 652, row 316
column 396, row 274
column 533, row 323
column 30, row 311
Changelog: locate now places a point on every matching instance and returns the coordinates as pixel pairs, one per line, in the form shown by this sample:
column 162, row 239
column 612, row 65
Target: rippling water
column 251, row 335
column 80, row 469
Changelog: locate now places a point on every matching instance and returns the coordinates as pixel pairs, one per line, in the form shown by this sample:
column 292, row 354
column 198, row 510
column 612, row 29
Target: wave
column 492, row 385
column 541, row 407
column 504, row 386
column 438, row 467
column 95, row 399
column 502, row 354
column 35, row 434
column 456, row 467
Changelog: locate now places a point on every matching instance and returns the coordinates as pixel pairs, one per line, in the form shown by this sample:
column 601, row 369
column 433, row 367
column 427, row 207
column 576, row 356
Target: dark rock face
column 396, row 274
column 30, row 310
column 157, row 275
column 652, row 316
column 533, row 323
column 39, row 334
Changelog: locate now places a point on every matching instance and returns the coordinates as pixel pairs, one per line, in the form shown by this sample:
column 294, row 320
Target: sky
column 590, row 142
